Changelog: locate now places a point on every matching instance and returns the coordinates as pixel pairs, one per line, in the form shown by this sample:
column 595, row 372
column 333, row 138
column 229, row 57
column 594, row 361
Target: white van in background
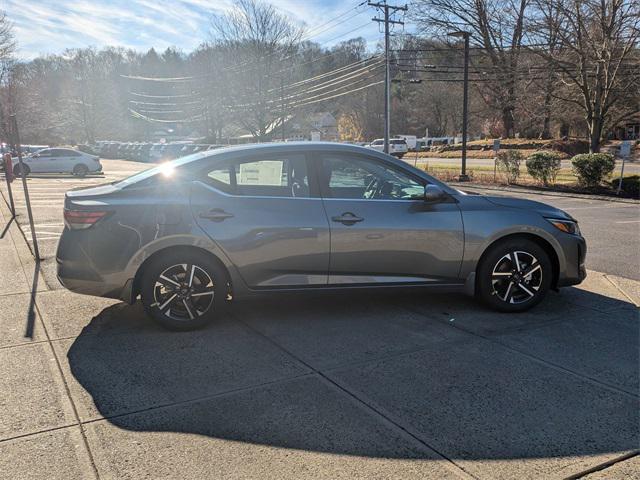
column 397, row 146
column 411, row 141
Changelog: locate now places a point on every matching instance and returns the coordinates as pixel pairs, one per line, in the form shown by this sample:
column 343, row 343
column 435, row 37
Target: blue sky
column 50, row 26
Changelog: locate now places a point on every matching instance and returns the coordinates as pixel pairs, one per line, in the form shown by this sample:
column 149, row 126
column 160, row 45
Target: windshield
column 165, row 168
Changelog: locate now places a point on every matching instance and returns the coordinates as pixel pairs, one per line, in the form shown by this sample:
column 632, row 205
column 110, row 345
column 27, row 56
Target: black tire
column 501, row 286
column 80, row 170
column 191, row 307
column 17, row 172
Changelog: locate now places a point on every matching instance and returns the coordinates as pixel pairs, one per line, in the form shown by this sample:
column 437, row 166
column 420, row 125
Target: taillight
column 81, row 219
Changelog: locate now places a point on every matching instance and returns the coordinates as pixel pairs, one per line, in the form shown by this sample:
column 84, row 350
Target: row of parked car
column 149, row 152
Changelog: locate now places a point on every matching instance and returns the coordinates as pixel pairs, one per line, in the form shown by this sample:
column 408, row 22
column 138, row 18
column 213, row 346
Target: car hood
column 542, row 208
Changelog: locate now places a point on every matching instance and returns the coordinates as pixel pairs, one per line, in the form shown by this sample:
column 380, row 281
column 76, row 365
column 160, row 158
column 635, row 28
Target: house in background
column 312, row 126
column 299, row 127
column 628, row 129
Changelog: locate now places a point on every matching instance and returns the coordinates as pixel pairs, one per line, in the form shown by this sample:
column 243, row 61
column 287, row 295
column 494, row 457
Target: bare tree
column 597, row 59
column 7, row 47
column 257, row 39
column 497, row 27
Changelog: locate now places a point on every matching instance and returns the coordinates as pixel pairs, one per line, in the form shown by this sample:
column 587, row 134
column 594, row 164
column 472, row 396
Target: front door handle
column 216, row 215
column 347, row 218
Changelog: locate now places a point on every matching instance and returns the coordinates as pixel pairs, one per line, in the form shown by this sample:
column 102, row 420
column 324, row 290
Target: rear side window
column 278, row 176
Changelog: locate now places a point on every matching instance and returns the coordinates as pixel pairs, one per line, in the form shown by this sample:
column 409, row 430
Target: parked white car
column 59, row 160
column 397, row 146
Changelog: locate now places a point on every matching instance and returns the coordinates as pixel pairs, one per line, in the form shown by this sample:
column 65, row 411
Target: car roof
column 299, row 147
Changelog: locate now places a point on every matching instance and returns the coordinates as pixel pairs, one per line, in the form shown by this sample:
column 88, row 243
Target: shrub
column 592, row 168
column 544, row 167
column 630, row 185
column 508, row 162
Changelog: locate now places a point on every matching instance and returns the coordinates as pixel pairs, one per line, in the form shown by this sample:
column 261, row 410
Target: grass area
column 487, row 154
column 485, row 174
column 565, row 180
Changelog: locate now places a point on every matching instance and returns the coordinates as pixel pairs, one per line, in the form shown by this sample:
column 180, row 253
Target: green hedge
column 544, row 167
column 508, row 162
column 592, row 168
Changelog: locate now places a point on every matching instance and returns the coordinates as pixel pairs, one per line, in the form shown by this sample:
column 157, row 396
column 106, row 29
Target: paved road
column 612, row 230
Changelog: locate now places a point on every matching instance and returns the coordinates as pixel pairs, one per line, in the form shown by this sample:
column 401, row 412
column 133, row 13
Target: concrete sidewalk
column 334, row 386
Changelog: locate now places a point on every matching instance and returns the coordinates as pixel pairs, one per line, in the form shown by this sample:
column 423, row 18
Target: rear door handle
column 347, row 218
column 216, row 215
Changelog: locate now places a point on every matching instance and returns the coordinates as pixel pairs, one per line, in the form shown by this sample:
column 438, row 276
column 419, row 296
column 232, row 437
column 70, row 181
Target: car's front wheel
column 180, row 291
column 514, row 275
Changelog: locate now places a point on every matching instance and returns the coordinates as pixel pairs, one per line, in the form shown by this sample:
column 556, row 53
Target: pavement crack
column 603, row 466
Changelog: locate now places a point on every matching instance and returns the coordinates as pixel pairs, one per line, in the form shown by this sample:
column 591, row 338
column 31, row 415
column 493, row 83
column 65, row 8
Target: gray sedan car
column 224, row 224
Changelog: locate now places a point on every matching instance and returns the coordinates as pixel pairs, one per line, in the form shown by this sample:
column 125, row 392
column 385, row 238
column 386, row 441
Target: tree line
column 538, row 68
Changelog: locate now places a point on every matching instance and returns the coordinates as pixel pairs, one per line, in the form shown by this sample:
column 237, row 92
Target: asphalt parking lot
column 332, row 386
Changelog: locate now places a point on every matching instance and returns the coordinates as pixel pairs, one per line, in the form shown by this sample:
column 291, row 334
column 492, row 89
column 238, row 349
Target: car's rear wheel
column 514, row 275
column 180, row 291
column 17, row 170
column 80, row 170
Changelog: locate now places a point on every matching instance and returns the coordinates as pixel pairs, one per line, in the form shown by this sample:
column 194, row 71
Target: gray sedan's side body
column 268, row 242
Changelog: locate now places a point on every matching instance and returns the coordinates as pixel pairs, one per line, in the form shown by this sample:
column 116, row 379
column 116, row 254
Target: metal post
column 625, row 151
column 282, row 105
column 16, row 136
column 465, row 110
column 7, row 175
column 387, row 82
column 465, row 102
column 621, row 176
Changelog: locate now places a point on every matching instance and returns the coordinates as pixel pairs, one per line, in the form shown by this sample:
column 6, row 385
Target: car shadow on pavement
column 339, row 374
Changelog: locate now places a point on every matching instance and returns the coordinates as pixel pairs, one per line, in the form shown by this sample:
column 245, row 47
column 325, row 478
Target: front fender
column 483, row 228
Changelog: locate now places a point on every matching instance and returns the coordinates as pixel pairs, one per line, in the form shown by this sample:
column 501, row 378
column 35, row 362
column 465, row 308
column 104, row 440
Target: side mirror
column 433, row 193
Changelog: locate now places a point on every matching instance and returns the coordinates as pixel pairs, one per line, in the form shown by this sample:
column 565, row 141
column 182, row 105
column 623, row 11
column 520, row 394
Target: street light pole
column 465, row 103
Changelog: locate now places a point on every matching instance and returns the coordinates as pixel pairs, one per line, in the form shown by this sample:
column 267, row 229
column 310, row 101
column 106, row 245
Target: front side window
column 278, row 176
column 359, row 178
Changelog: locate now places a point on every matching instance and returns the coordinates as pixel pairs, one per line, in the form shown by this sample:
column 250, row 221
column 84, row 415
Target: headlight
column 567, row 226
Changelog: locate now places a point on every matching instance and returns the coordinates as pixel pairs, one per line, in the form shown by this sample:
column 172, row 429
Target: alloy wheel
column 183, row 292
column 517, row 277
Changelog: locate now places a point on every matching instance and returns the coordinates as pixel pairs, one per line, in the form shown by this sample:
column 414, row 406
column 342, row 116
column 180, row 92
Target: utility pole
column 388, row 11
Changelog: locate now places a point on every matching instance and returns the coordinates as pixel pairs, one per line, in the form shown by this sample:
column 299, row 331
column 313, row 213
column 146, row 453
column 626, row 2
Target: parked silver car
column 59, row 160
column 228, row 223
